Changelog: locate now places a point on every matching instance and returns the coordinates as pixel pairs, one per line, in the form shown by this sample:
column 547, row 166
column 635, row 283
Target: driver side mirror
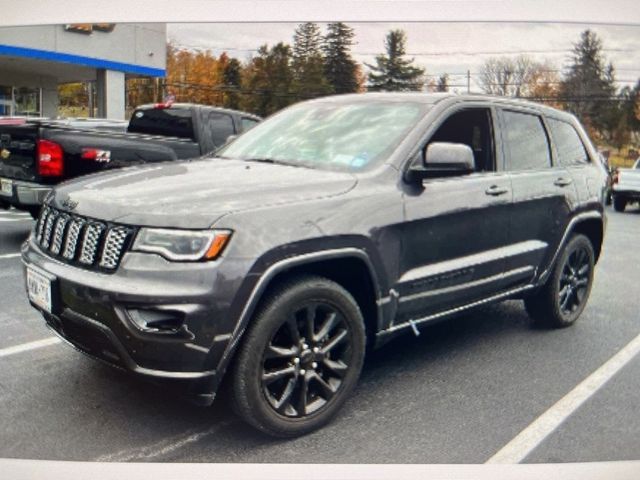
column 442, row 159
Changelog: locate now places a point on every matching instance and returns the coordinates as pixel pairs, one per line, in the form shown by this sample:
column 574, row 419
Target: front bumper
column 103, row 315
column 26, row 194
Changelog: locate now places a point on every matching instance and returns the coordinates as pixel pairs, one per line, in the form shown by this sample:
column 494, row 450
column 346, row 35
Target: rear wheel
column 562, row 299
column 301, row 358
column 619, row 204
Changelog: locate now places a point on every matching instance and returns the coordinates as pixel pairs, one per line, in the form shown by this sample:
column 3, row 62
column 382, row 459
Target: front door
column 456, row 230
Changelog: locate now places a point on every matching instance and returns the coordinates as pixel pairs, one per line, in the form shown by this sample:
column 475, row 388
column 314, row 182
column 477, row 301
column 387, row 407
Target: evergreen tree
column 589, row 85
column 339, row 67
column 232, row 83
column 268, row 80
column 392, row 71
column 308, row 62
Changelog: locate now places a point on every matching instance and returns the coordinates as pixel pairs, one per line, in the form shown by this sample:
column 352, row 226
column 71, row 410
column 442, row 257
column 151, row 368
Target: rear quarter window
column 170, row 122
column 526, row 143
column 569, row 146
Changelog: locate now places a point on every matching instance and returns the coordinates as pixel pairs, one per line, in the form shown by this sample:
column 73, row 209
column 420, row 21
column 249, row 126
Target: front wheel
column 300, row 359
column 562, row 299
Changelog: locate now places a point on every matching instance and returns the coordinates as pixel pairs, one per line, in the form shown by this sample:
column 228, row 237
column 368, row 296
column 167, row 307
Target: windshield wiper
column 261, row 160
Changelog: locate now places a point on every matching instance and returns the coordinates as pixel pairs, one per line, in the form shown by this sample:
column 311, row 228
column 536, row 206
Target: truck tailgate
column 18, row 152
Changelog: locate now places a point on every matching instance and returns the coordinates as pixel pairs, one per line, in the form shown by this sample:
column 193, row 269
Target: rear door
column 544, row 194
column 571, row 153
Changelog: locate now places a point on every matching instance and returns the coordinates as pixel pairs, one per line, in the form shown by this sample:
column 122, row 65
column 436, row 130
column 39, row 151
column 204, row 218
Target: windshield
column 347, row 137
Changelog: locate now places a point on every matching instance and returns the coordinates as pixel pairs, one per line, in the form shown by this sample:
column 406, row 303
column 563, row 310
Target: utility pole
column 468, row 81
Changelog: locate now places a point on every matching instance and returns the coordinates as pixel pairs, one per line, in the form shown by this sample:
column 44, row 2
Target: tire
column 288, row 381
column 619, row 204
column 573, row 274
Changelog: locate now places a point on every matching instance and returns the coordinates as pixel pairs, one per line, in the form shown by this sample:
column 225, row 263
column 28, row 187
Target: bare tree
column 510, row 77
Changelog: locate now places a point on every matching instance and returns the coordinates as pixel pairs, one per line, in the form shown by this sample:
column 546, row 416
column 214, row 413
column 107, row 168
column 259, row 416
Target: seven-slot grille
column 82, row 241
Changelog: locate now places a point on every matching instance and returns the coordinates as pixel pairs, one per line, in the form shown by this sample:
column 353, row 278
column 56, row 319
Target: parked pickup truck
column 36, row 155
column 626, row 186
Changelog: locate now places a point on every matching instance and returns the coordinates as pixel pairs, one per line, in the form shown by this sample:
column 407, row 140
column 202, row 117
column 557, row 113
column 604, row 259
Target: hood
column 194, row 194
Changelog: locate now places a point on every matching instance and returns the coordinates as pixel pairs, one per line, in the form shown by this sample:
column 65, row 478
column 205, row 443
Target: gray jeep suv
column 329, row 228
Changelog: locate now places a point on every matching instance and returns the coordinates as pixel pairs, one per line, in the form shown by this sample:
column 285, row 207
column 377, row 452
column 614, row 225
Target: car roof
column 436, row 98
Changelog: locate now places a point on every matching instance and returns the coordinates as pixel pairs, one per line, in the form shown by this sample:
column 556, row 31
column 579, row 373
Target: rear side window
column 170, row 122
column 570, row 148
column 221, row 126
column 526, row 143
column 247, row 123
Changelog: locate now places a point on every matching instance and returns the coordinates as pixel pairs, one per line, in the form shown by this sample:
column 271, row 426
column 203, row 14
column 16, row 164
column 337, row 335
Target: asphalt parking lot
column 458, row 393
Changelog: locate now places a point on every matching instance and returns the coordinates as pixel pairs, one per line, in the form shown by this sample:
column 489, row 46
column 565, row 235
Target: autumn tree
column 394, row 72
column 308, row 63
column 589, row 84
column 267, row 80
column 340, row 69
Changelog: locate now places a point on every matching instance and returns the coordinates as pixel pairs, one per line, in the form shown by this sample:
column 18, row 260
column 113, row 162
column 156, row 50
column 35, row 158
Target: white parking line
column 25, row 347
column 10, row 255
column 163, row 447
column 517, row 449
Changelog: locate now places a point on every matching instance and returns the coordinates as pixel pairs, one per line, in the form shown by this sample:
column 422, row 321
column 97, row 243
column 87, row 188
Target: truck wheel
column 619, row 204
column 300, row 359
column 561, row 300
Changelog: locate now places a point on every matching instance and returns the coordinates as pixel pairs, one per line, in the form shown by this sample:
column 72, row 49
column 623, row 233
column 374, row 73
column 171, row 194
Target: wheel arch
column 590, row 224
column 349, row 267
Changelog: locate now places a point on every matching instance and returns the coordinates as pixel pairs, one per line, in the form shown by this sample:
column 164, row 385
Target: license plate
column 39, row 289
column 6, row 187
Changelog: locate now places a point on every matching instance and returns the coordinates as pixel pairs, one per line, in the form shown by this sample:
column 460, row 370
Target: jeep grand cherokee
column 332, row 226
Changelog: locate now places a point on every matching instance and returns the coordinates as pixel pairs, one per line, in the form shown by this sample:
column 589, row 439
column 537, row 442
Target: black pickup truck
column 36, row 155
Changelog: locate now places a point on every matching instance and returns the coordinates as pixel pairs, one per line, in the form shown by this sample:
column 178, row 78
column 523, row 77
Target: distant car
column 626, row 186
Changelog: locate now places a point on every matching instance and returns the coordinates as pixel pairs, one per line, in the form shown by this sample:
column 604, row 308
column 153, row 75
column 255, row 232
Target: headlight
column 182, row 245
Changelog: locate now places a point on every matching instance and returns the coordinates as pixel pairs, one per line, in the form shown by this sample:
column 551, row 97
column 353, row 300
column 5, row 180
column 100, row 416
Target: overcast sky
column 440, row 48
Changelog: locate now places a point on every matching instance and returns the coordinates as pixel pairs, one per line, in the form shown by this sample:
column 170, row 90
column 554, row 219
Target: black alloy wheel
column 574, row 280
column 300, row 358
column 561, row 300
column 306, row 359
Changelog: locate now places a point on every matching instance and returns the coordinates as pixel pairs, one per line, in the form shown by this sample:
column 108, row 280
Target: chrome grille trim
column 90, row 242
column 73, row 233
column 113, row 247
column 58, row 233
column 81, row 241
column 48, row 227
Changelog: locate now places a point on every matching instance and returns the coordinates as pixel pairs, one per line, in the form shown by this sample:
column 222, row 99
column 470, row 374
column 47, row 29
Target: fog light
column 165, row 321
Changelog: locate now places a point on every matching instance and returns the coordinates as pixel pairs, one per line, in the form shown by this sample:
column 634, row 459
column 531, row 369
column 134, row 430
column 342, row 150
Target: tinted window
column 526, row 142
column 570, row 148
column 172, row 122
column 247, row 123
column 221, row 126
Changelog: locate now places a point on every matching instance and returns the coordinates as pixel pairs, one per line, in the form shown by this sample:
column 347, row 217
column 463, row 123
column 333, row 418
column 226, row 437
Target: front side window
column 570, row 148
column 526, row 144
column 330, row 136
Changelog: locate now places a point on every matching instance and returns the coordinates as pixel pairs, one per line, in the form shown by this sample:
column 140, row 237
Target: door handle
column 562, row 182
column 496, row 190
